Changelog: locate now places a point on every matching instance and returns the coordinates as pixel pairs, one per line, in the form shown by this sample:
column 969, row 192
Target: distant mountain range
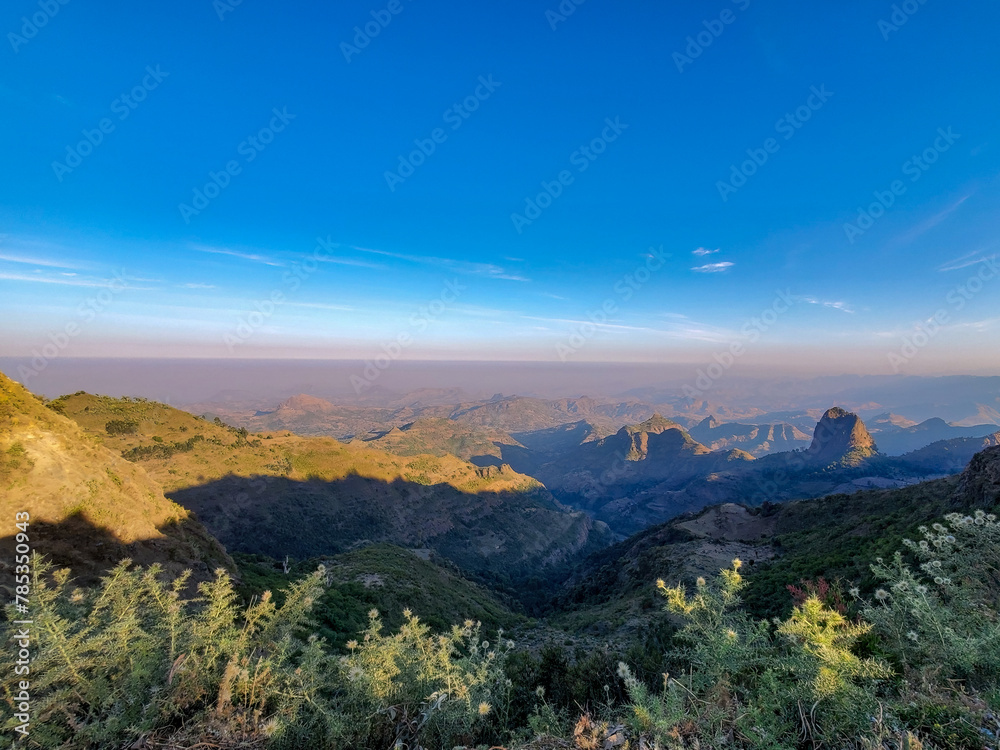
column 513, row 484
column 897, row 436
column 525, row 420
column 631, row 467
column 755, row 439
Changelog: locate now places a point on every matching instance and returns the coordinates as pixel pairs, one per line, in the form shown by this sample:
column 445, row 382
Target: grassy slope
column 282, row 454
column 438, row 437
column 839, row 537
column 389, row 579
column 96, row 506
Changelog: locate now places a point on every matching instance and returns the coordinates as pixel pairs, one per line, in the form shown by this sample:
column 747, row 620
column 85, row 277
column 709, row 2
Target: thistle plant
column 663, row 716
column 944, row 615
column 940, row 623
column 418, row 689
column 767, row 688
column 725, row 644
column 131, row 658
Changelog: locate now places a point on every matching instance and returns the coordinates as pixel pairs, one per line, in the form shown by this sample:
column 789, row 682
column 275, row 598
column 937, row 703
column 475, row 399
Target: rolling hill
column 437, row 437
column 387, row 578
column 90, row 507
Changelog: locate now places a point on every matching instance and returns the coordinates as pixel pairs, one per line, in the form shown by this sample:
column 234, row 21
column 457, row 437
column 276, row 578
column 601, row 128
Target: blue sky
column 314, row 249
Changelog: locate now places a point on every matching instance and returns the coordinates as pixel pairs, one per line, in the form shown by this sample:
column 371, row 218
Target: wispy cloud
column 701, row 251
column 352, row 262
column 489, row 270
column 579, row 322
column 33, row 261
column 969, row 259
column 692, row 331
column 719, row 267
column 478, row 311
column 198, row 286
column 320, row 306
column 928, row 224
column 834, row 305
column 61, row 280
column 253, row 257
column 977, row 325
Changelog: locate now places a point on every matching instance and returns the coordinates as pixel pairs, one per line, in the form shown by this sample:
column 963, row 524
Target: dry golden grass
column 66, row 479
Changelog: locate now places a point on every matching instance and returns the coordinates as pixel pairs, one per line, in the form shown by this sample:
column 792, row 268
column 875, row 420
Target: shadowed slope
column 514, row 532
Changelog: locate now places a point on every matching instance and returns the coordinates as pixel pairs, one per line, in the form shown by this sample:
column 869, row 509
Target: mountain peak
column 835, row 412
column 654, row 425
column 709, row 423
column 841, row 437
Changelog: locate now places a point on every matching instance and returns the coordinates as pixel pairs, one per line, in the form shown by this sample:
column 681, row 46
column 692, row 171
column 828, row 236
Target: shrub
column 941, row 625
column 122, row 427
column 131, row 657
column 134, row 659
column 766, row 688
column 161, row 449
column 945, row 616
column 420, row 689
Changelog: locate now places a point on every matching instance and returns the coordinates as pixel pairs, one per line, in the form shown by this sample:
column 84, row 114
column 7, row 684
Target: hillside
column 385, row 577
column 834, row 537
column 949, row 456
column 437, row 437
column 316, row 496
column 90, row 507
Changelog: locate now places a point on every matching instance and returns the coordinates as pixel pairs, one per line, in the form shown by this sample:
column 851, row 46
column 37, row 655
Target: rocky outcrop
column 979, row 486
column 841, row 438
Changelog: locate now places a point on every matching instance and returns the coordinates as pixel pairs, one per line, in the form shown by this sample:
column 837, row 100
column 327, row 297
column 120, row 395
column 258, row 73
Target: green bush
column 161, row 449
column 941, row 625
column 945, row 616
column 764, row 687
column 131, row 657
column 422, row 690
column 122, row 427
